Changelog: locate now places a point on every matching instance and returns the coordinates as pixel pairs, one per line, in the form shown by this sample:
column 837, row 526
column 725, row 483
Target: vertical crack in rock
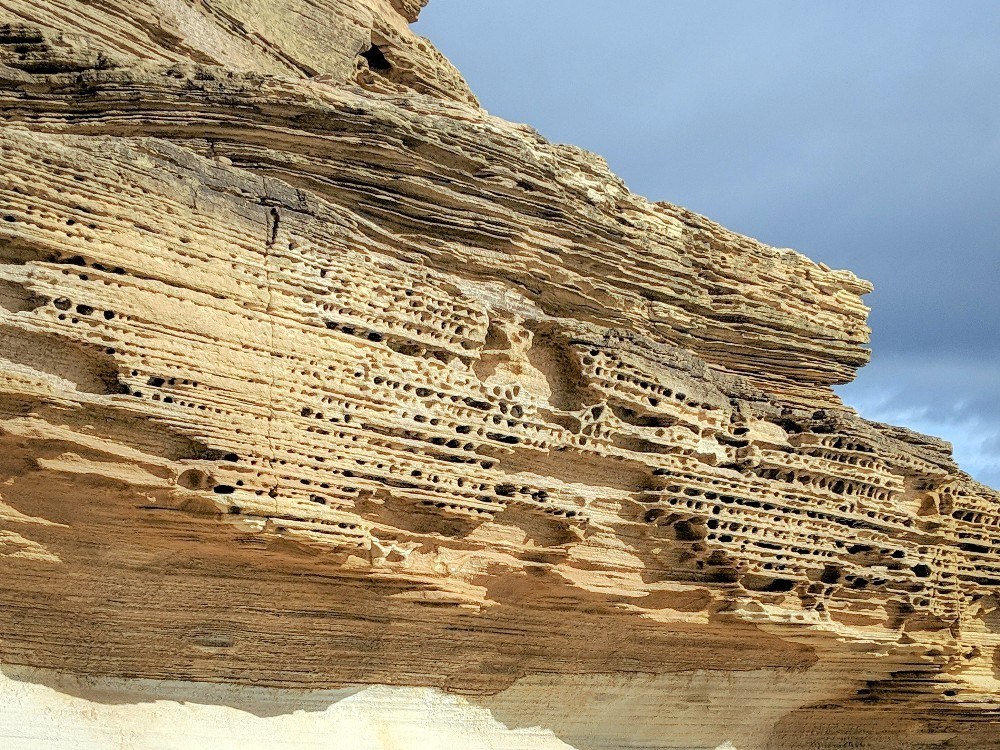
column 273, row 226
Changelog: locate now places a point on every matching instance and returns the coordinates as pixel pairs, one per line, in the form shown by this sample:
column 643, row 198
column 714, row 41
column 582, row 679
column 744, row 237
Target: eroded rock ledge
column 315, row 375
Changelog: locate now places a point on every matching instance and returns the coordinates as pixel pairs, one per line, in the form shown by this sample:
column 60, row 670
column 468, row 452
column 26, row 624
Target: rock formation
column 317, row 380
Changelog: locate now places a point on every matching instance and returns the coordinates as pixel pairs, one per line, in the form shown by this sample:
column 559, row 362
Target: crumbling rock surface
column 314, row 375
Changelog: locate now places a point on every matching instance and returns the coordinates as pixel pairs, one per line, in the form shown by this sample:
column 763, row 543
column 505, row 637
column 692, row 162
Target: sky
column 863, row 134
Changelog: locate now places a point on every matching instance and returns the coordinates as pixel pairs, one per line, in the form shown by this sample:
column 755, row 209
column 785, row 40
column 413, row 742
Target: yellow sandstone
column 337, row 412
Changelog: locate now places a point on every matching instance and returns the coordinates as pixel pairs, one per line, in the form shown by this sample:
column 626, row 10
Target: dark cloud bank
column 865, row 135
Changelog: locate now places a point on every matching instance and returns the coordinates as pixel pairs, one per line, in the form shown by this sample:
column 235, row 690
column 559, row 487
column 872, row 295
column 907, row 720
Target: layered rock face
column 318, row 382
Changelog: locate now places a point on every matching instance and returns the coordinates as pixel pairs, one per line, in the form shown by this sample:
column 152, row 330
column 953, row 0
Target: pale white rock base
column 46, row 711
column 37, row 717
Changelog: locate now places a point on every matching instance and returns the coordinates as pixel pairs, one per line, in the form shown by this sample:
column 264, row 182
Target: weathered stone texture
column 313, row 374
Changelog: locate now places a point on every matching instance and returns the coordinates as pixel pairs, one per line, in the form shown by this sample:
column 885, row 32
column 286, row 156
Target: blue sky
column 865, row 135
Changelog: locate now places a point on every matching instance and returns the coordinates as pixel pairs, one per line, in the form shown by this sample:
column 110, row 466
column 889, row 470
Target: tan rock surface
column 315, row 376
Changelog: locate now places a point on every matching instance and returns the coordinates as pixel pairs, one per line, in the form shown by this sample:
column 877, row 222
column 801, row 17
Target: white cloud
column 949, row 398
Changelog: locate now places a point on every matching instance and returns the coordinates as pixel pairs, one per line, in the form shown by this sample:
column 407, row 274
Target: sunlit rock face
column 334, row 409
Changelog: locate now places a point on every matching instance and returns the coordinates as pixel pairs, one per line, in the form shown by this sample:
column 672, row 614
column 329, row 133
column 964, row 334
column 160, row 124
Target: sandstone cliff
column 315, row 376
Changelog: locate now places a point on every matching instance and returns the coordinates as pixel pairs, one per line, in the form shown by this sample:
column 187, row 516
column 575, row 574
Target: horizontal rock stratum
column 322, row 390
